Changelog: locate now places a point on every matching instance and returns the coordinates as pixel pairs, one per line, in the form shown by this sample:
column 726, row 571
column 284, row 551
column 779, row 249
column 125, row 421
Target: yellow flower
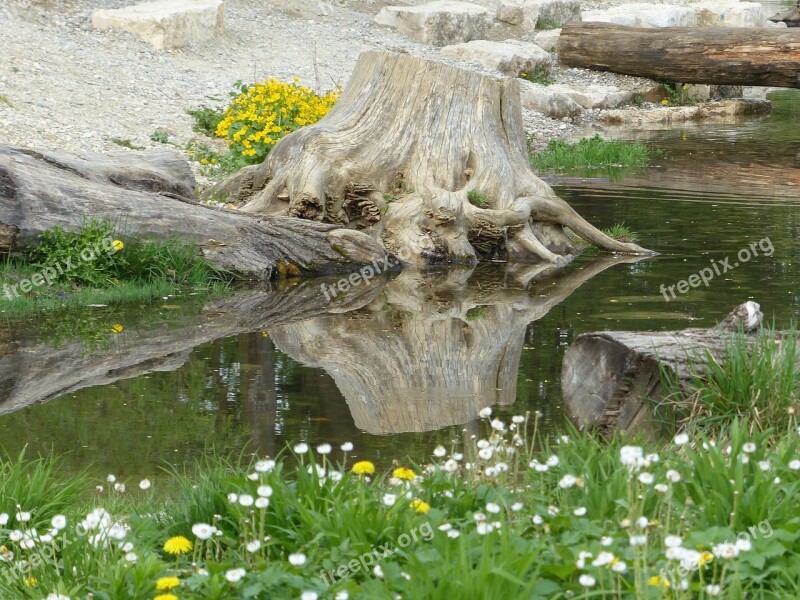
column 363, row 467
column 118, row 245
column 30, row 581
column 705, row 557
column 177, row 545
column 658, row 581
column 117, row 328
column 403, row 473
column 167, row 583
column 166, row 597
column 420, row 506
column 685, row 87
column 665, row 102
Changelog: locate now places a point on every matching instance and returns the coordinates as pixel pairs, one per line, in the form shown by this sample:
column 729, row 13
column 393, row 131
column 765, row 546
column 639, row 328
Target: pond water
column 410, row 360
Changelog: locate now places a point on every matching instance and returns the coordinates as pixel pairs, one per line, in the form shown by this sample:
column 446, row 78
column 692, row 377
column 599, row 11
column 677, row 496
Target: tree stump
column 427, row 158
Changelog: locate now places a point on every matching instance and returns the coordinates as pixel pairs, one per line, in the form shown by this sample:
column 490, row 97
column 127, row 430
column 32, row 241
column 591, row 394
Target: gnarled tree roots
column 427, row 158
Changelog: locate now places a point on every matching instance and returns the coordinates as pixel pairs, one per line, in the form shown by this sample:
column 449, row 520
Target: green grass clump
column 548, row 23
column 95, row 264
column 538, row 75
column 756, row 380
column 621, row 232
column 589, row 157
column 126, row 143
column 205, row 120
column 477, row 198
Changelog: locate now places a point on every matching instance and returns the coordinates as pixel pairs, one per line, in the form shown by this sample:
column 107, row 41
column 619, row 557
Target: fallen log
column 713, row 55
column 152, row 194
column 613, row 380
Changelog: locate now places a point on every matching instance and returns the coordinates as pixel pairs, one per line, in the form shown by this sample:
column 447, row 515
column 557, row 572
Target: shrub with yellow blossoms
column 264, row 112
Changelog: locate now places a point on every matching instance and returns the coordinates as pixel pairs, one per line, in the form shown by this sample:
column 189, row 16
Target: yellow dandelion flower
column 177, row 545
column 166, row 597
column 705, row 557
column 404, row 473
column 118, row 245
column 363, row 467
column 685, row 87
column 167, row 583
column 30, row 582
column 665, row 102
column 117, row 328
column 658, row 581
column 420, row 506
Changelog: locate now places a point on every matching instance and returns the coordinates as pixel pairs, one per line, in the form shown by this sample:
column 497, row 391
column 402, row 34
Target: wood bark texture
column 427, row 158
column 714, row 55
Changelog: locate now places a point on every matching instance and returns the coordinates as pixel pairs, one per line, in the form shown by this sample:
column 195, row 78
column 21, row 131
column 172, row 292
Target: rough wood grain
column 151, row 194
column 612, row 380
column 713, row 55
column 398, row 157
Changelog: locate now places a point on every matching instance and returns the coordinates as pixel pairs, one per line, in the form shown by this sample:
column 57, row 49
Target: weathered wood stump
column 152, row 194
column 427, row 158
column 714, row 55
column 612, row 380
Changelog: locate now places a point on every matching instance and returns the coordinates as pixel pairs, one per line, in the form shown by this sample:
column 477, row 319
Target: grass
column 140, row 270
column 126, row 143
column 756, row 380
column 477, row 198
column 590, row 157
column 621, row 232
column 160, row 136
column 538, row 75
column 575, row 517
column 205, row 120
column 548, row 23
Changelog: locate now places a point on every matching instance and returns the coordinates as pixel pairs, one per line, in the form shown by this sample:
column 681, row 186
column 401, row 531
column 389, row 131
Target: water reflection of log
column 434, row 348
column 34, row 371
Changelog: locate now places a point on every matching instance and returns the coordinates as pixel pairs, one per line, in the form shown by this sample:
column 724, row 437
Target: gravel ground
column 65, row 86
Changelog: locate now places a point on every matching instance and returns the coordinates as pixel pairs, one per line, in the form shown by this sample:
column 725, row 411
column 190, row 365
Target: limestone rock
column 166, row 23
column 645, row 15
column 438, row 23
column 510, row 57
column 559, row 11
column 725, row 111
column 547, row 99
column 547, row 39
column 731, row 14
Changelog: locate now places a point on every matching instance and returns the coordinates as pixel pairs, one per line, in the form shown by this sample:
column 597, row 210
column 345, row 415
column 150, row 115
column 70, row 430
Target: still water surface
column 409, row 362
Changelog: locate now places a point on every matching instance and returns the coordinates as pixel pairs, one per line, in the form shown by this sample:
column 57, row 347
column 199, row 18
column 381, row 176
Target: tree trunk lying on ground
column 427, row 158
column 151, row 194
column 612, row 380
column 714, row 55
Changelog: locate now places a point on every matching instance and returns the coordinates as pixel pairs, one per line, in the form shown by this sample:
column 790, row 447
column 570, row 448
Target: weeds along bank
column 98, row 264
column 581, row 518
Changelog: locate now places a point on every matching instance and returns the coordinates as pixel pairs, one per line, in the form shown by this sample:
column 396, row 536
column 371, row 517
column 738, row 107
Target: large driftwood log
column 151, row 194
column 399, row 156
column 612, row 380
column 715, row 55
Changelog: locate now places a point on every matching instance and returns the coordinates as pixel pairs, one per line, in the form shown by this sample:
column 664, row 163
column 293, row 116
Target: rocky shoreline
column 68, row 86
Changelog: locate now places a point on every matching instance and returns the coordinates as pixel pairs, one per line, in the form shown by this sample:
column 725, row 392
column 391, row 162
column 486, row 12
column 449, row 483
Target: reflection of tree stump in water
column 434, row 352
